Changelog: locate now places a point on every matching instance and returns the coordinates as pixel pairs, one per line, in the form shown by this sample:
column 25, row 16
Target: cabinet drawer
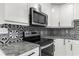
column 76, row 42
column 33, row 52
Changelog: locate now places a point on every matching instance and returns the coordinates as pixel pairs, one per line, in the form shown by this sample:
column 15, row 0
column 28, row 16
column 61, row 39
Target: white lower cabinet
column 72, row 47
column 59, row 47
column 33, row 52
column 75, row 50
column 66, row 47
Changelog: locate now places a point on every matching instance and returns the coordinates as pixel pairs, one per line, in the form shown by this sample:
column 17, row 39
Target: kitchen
column 39, row 29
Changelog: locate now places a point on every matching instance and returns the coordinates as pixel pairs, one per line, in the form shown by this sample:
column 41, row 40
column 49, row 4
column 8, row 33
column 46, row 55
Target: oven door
column 48, row 50
column 47, row 47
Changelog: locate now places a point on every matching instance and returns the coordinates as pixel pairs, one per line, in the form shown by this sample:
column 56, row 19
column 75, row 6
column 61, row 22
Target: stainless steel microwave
column 37, row 18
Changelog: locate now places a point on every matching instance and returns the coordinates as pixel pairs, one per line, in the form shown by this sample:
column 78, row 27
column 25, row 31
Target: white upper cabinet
column 66, row 15
column 59, row 14
column 76, row 10
column 53, row 14
column 46, row 8
column 16, row 12
column 34, row 5
column 1, row 13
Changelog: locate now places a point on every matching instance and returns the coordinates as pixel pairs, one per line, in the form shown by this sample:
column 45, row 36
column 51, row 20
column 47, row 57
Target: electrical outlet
column 3, row 31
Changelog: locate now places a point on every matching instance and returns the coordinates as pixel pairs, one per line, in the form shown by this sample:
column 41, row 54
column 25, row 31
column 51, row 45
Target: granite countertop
column 19, row 48
column 55, row 37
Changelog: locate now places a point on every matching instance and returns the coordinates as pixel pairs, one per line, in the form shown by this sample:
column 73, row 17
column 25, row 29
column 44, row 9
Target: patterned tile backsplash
column 15, row 33
column 63, row 32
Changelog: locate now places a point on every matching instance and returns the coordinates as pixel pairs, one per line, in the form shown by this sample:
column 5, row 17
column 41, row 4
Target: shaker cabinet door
column 68, row 47
column 75, row 50
column 2, row 13
column 33, row 52
column 59, row 47
column 52, row 11
column 66, row 15
column 16, row 12
column 76, row 10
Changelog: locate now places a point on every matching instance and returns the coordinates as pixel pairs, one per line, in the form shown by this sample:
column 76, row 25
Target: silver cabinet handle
column 31, row 53
column 64, row 41
column 54, row 45
column 71, row 47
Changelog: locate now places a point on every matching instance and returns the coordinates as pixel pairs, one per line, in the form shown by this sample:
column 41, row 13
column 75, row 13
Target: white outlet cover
column 3, row 30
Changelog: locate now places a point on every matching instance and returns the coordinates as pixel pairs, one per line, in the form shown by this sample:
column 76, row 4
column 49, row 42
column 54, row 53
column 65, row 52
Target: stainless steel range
column 47, row 46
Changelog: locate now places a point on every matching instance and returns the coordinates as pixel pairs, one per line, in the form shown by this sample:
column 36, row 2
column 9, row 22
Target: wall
column 61, row 32
column 76, row 27
column 64, row 14
column 16, row 33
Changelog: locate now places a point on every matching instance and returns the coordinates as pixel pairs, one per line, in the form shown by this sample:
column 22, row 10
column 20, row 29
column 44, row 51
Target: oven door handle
column 47, row 45
column 31, row 54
